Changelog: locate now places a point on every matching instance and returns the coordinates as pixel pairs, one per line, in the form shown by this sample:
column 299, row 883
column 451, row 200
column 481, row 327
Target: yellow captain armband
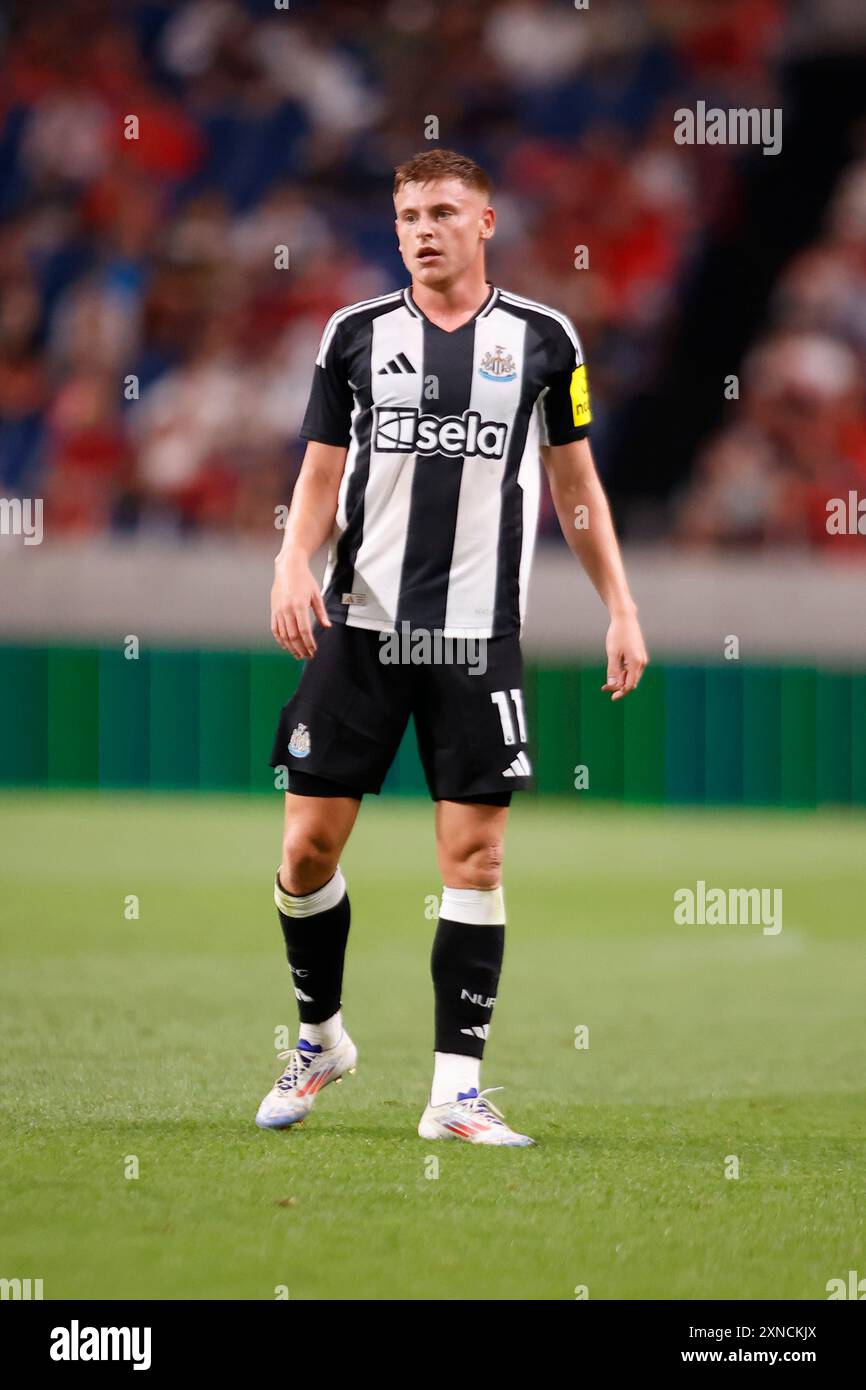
column 579, row 392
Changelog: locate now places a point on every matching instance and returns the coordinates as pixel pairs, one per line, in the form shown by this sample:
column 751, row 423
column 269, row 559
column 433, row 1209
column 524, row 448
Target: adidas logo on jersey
column 407, row 431
column 521, row 767
column 400, row 363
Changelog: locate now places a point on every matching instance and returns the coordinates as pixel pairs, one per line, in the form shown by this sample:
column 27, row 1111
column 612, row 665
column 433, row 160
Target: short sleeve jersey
column 438, row 504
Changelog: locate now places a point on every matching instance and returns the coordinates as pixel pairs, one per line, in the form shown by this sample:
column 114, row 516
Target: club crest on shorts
column 299, row 743
column 498, row 365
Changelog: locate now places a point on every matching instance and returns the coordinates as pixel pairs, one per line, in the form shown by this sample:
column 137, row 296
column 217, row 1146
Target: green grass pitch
column 155, row 1038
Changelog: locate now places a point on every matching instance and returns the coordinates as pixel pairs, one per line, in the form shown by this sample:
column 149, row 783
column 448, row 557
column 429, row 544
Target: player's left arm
column 584, row 515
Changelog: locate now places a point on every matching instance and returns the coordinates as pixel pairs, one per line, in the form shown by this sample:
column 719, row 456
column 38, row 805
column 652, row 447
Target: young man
column 428, row 411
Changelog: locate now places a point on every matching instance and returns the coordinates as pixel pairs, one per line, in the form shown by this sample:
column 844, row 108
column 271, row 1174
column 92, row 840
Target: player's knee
column 477, row 863
column 309, row 859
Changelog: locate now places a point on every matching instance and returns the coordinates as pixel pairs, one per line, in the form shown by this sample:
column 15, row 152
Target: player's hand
column 293, row 594
column 626, row 655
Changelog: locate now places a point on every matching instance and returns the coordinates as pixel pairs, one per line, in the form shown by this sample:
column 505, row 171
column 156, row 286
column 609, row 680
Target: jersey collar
column 479, row 313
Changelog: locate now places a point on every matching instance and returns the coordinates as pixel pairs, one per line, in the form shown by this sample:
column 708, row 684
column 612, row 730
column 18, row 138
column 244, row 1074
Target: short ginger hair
column 443, row 164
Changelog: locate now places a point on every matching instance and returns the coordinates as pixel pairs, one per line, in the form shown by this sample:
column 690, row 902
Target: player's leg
column 314, row 914
column 313, row 907
column 469, row 942
column 335, row 739
column 472, row 738
column 466, row 963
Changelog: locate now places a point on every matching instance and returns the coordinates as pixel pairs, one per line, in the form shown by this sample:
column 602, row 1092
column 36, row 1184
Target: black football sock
column 465, row 963
column 316, row 927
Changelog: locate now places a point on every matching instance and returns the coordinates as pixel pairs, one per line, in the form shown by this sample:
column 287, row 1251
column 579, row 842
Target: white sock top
column 479, row 907
column 325, row 1034
column 308, row 904
column 453, row 1073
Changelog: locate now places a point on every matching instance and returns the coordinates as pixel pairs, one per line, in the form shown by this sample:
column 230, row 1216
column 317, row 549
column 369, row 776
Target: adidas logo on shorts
column 521, row 767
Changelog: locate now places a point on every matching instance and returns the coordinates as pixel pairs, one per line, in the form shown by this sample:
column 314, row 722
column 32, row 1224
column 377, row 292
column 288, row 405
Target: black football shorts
column 340, row 731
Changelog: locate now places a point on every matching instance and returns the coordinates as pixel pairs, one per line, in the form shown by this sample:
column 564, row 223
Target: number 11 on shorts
column 500, row 700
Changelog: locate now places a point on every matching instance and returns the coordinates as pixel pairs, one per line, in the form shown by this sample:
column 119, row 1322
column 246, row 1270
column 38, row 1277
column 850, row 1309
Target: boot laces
column 298, row 1064
column 480, row 1105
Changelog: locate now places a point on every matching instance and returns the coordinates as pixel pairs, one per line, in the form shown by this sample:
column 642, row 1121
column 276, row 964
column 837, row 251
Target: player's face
column 441, row 228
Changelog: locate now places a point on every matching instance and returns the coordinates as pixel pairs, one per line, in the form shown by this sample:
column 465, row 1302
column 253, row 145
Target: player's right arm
column 327, row 427
column 309, row 524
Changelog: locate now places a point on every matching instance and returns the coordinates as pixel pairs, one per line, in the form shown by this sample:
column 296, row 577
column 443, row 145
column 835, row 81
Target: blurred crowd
column 155, row 361
column 798, row 439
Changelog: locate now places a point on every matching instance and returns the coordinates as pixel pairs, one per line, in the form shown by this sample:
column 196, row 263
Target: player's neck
column 448, row 306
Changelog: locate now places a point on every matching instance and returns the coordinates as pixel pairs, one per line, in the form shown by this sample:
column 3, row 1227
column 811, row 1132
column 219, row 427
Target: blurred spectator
column 799, row 438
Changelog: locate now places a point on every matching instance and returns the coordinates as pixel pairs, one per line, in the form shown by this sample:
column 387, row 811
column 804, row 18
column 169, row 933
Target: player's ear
column 488, row 224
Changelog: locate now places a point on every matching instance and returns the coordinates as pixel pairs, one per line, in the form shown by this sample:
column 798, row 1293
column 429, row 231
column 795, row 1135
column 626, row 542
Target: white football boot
column 309, row 1068
column 470, row 1117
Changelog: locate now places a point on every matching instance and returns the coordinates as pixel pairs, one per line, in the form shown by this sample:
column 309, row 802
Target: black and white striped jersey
column 438, row 503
